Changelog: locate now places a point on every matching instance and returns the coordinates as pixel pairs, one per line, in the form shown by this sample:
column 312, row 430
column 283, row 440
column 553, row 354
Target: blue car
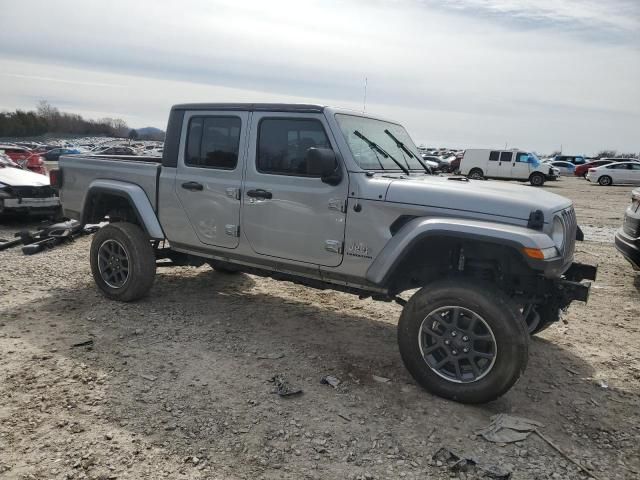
column 54, row 155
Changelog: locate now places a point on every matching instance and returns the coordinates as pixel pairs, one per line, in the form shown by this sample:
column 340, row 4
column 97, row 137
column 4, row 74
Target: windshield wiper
column 376, row 148
column 401, row 145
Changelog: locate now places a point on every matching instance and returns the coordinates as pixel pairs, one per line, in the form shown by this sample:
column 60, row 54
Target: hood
column 16, row 177
column 476, row 196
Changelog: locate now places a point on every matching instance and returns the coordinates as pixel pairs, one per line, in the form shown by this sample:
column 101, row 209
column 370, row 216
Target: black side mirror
column 322, row 162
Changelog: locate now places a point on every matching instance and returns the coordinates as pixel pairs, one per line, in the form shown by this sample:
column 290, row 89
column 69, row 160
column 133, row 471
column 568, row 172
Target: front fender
column 511, row 236
column 136, row 197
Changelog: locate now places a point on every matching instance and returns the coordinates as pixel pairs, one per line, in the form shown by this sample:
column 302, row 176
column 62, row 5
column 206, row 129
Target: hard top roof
column 269, row 107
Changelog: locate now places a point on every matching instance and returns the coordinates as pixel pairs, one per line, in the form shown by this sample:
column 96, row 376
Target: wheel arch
column 435, row 246
column 105, row 196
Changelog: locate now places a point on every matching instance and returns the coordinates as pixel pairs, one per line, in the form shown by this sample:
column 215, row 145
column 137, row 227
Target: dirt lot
column 176, row 385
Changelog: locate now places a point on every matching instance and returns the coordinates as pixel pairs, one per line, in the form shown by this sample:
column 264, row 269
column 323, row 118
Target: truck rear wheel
column 463, row 341
column 536, row 179
column 122, row 261
column 476, row 174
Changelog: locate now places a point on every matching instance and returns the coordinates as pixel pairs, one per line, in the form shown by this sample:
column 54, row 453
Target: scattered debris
column 271, row 356
column 151, row 378
column 603, row 384
column 565, row 455
column 283, row 388
column 508, row 429
column 49, row 236
column 343, row 416
column 380, row 379
column 86, row 343
column 330, row 380
column 459, row 463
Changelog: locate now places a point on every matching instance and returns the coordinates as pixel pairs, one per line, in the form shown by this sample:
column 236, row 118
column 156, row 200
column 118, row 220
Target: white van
column 506, row 164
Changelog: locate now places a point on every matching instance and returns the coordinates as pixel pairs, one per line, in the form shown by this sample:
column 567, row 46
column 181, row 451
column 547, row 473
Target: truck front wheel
column 536, row 179
column 122, row 261
column 463, row 341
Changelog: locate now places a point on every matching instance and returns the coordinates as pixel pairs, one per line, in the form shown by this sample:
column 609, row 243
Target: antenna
column 364, row 102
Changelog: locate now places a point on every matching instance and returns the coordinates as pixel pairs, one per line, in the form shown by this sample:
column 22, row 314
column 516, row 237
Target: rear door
column 504, row 165
column 492, row 165
column 288, row 213
column 209, row 174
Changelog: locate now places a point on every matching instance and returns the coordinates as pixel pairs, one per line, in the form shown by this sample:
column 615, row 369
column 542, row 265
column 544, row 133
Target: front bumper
column 29, row 205
column 572, row 286
column 629, row 248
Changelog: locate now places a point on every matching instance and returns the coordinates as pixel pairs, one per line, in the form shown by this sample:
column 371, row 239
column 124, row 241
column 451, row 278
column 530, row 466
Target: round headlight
column 557, row 234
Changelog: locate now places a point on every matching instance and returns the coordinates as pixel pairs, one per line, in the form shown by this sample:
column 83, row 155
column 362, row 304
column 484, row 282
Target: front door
column 634, row 173
column 288, row 213
column 520, row 165
column 209, row 175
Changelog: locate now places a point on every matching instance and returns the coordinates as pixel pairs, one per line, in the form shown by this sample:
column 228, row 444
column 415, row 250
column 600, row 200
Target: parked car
column 564, row 168
column 436, row 163
column 116, row 151
column 54, row 154
column 25, row 192
column 25, row 158
column 627, row 239
column 265, row 188
column 575, row 159
column 615, row 174
column 505, row 164
column 582, row 170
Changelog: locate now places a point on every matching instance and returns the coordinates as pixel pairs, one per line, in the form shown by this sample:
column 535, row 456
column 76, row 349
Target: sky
column 532, row 74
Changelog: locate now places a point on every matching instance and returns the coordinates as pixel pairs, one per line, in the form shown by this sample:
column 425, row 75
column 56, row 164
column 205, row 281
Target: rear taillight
column 55, row 178
column 35, row 161
column 592, row 169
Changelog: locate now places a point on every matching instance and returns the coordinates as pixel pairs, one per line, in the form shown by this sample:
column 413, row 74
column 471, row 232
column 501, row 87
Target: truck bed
column 79, row 171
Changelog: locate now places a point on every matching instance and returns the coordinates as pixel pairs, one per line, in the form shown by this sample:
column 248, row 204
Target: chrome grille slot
column 570, row 226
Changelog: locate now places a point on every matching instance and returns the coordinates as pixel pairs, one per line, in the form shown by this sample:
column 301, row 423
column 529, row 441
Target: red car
column 25, row 158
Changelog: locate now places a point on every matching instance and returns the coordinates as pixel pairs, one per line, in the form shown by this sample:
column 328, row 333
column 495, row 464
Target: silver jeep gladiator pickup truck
column 336, row 199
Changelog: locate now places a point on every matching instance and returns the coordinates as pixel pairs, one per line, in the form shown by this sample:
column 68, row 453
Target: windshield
column 534, row 160
column 374, row 130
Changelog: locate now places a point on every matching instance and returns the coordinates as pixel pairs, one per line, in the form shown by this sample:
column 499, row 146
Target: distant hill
column 150, row 133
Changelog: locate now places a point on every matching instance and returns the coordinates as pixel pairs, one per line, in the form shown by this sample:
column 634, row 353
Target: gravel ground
column 177, row 385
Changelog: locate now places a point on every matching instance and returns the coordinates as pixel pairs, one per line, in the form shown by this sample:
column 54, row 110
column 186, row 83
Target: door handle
column 193, row 186
column 259, row 193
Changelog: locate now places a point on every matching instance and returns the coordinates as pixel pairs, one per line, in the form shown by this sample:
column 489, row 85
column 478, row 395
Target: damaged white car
column 25, row 192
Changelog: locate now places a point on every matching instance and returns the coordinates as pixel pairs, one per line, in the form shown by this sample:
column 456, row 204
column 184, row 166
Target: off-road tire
column 497, row 310
column 605, row 181
column 536, row 179
column 141, row 261
column 476, row 174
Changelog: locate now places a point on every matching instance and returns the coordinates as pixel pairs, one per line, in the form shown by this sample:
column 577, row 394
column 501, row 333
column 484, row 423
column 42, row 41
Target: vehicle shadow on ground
column 189, row 367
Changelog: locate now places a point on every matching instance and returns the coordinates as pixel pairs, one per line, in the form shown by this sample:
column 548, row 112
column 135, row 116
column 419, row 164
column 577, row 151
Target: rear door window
column 494, row 156
column 213, row 142
column 506, row 156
